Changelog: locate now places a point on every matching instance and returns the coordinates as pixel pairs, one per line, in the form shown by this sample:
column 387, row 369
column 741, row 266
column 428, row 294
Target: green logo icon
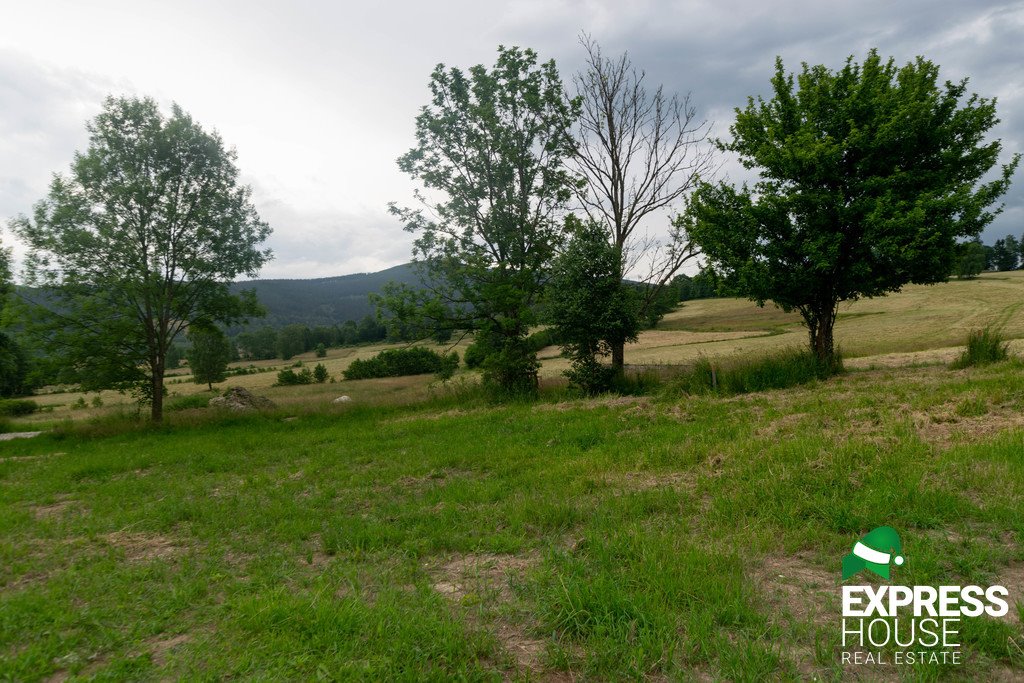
column 874, row 552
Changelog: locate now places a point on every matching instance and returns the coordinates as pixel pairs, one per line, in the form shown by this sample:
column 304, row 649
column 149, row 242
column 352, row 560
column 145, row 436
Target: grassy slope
column 689, row 538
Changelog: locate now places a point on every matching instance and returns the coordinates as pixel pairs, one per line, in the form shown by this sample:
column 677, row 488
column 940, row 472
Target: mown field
column 921, row 324
column 669, row 537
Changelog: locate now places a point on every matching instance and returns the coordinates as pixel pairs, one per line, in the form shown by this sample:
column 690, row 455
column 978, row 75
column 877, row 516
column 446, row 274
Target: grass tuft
column 778, row 371
column 983, row 347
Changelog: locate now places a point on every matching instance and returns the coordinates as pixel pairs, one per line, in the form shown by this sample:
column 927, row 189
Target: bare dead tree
column 641, row 152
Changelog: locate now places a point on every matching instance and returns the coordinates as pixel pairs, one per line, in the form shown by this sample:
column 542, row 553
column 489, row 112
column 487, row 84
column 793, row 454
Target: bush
column 321, row 350
column 14, row 407
column 320, row 373
column 475, row 356
column 778, row 371
column 189, row 402
column 289, row 377
column 415, row 360
column 983, row 347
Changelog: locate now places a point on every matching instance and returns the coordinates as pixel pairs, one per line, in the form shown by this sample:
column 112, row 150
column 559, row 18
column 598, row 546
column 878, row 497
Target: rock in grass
column 238, row 399
column 342, row 399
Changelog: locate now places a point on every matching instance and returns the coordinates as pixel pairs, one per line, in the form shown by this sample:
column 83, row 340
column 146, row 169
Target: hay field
column 919, row 325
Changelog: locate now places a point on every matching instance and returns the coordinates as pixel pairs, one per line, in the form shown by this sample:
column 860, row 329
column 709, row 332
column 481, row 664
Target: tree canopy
column 137, row 243
column 869, row 177
column 490, row 151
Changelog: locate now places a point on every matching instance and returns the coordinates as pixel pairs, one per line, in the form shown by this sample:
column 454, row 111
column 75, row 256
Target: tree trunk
column 820, row 325
column 157, row 408
column 618, row 355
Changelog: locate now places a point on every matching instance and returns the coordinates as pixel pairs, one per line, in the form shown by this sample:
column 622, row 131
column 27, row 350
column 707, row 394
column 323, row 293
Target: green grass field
column 420, row 532
column 664, row 537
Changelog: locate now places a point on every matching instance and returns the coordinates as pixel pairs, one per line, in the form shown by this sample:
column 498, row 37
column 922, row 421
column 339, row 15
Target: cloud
column 319, row 98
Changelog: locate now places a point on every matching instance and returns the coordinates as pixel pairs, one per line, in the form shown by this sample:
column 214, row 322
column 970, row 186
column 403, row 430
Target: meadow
column 421, row 532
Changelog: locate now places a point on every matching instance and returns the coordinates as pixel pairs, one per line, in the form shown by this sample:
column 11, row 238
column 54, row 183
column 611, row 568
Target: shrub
column 983, row 347
column 321, row 350
column 475, row 356
column 778, row 371
column 289, row 377
column 415, row 360
column 188, row 402
column 320, row 373
column 14, row 407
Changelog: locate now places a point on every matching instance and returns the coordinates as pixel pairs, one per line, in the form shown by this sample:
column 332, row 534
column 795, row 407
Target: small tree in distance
column 869, row 176
column 208, row 356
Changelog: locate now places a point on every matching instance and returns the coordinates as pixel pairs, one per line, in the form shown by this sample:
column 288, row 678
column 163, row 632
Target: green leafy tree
column 209, row 355
column 13, row 364
column 320, row 373
column 490, row 149
column 320, row 350
column 869, row 176
column 1004, row 254
column 589, row 309
column 972, row 260
column 139, row 242
column 291, row 340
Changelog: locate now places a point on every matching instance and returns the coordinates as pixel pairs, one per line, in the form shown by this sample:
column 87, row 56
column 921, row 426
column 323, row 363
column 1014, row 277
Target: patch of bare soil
column 646, row 481
column 160, row 647
column 140, row 547
column 944, row 427
column 487, row 578
column 1012, row 577
column 55, row 509
column 780, row 425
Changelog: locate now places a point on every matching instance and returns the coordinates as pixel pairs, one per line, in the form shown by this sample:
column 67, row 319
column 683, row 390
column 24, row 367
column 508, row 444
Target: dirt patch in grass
column 161, row 646
column 780, row 425
column 481, row 584
column 647, row 481
column 1012, row 577
column 54, row 509
column 140, row 547
column 958, row 422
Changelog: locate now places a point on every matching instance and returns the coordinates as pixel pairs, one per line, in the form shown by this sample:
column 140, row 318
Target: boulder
column 341, row 399
column 238, row 399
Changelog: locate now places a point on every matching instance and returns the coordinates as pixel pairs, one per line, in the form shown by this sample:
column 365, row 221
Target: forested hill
column 323, row 301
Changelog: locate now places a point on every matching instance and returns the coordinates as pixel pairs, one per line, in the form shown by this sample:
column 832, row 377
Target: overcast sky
column 319, row 97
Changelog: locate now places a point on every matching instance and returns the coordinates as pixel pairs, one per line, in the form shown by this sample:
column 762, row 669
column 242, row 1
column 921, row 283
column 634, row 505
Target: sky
column 319, row 97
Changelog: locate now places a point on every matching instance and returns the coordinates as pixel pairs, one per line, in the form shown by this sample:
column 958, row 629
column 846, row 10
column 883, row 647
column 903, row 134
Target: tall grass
column 778, row 371
column 983, row 347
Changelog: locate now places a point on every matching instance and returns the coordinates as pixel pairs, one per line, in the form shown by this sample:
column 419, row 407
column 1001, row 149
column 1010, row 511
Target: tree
column 490, row 150
column 589, row 309
column 209, row 355
column 1004, row 254
column 641, row 152
column 320, row 350
column 320, row 373
column 138, row 243
column 1013, row 252
column 13, row 364
column 972, row 260
column 869, row 176
column 291, row 340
